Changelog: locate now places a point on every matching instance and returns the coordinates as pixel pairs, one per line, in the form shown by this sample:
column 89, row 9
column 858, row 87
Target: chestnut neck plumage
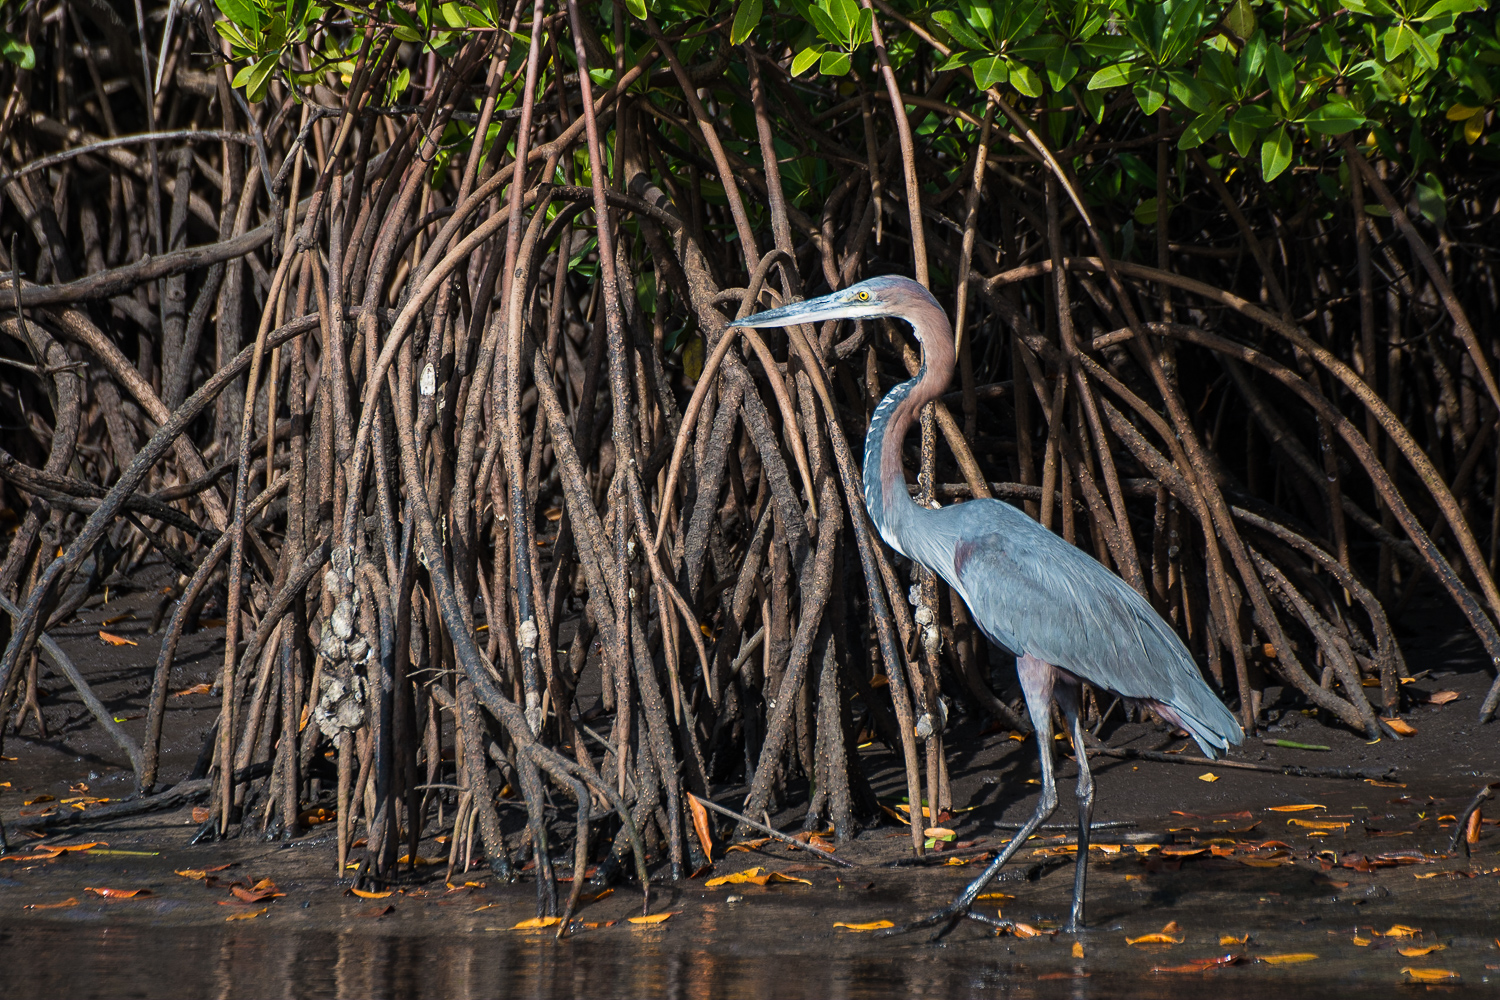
column 890, row 505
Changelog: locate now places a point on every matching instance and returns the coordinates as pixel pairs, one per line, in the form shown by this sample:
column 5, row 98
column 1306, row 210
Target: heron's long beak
column 839, row 305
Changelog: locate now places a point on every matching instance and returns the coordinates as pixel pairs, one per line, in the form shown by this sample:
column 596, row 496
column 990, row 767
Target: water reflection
column 61, row 959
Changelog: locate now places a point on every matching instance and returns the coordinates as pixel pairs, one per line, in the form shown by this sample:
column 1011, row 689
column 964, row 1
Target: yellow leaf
column 1401, row 726
column 1208, row 776
column 1229, row 939
column 1077, row 949
column 735, row 879
column 1399, row 931
column 996, row 895
column 537, row 923
column 876, row 925
column 1473, row 129
column 1462, row 112
column 366, row 894
column 1292, row 959
column 116, row 640
column 1417, row 951
column 249, row 916
column 692, row 358
column 939, row 832
column 655, row 918
column 1157, row 938
column 1318, row 824
column 1297, row 808
column 1430, row 975
column 1362, row 942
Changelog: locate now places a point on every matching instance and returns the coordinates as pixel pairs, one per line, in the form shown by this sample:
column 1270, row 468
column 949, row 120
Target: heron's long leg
column 1067, row 700
column 1037, row 680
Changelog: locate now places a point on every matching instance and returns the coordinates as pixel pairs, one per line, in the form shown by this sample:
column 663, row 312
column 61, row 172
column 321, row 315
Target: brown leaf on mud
column 1401, row 726
column 39, row 799
column 199, row 873
column 656, row 918
column 1417, row 951
column 250, row 915
column 1296, row 808
column 195, row 689
column 1182, row 850
column 377, row 911
column 70, row 901
column 116, row 640
column 874, row 925
column 1229, row 939
column 367, row 894
column 258, row 893
column 201, row 814
column 701, row 826
column 1471, row 832
column 1443, row 697
column 117, row 893
column 1294, row 958
column 748, row 845
column 1023, row 931
column 1431, row 975
column 1242, row 814
column 594, row 897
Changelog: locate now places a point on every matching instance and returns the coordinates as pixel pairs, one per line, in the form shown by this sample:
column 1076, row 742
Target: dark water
column 52, row 959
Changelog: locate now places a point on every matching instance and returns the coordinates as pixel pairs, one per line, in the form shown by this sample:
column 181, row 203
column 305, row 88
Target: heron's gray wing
column 1033, row 593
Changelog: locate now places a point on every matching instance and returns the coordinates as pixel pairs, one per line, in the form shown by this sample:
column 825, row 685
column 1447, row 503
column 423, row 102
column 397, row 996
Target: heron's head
column 890, row 295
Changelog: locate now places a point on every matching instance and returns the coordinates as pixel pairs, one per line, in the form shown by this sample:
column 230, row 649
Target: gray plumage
column 1065, row 617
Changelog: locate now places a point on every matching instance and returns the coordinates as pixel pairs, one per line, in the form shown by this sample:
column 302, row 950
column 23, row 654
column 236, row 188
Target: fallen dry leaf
column 939, row 832
column 366, row 894
column 1361, row 942
column 198, row 873
column 1318, row 824
column 1023, row 931
column 116, row 640
column 256, row 895
column 1203, row 964
column 874, row 925
column 1431, row 975
column 748, row 845
column 701, row 826
column 656, row 918
column 195, row 689
column 1417, row 951
column 117, row 893
column 594, row 897
column 1291, row 959
column 1228, row 939
column 70, row 901
column 251, row 915
column 1208, row 776
column 1296, row 808
column 201, row 814
column 379, row 911
column 1170, row 934
column 1442, row 697
column 1401, row 726
column 735, row 879
column 537, row 923
column 1001, row 895
column 1077, row 949
column 1399, row 931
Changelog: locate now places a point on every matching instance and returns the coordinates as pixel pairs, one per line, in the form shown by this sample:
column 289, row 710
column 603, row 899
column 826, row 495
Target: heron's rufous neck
column 885, row 483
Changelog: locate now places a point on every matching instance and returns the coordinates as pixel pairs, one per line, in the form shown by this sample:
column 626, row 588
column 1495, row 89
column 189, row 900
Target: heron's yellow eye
column 864, row 296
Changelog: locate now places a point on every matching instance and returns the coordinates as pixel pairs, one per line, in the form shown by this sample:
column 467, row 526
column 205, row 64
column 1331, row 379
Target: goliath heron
column 1064, row 616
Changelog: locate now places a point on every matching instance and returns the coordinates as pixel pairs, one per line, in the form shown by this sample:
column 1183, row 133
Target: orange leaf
column 1026, row 931
column 1157, row 938
column 700, row 825
column 1182, row 850
column 251, row 915
column 874, row 925
column 198, row 873
column 195, row 689
column 1430, row 975
column 366, row 894
column 1401, row 726
column 1399, row 931
column 748, row 845
column 117, row 893
column 256, row 895
column 1442, row 697
column 378, row 911
column 736, row 879
column 1417, row 951
column 116, row 640
column 70, row 901
column 1291, row 959
column 537, row 924
column 1077, row 949
column 1299, row 807
column 655, row 918
column 1229, row 939
column 1318, row 824
column 201, row 814
column 1471, row 832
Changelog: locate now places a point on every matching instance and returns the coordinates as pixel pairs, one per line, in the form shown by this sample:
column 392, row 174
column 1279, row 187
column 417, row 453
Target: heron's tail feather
column 1213, row 734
